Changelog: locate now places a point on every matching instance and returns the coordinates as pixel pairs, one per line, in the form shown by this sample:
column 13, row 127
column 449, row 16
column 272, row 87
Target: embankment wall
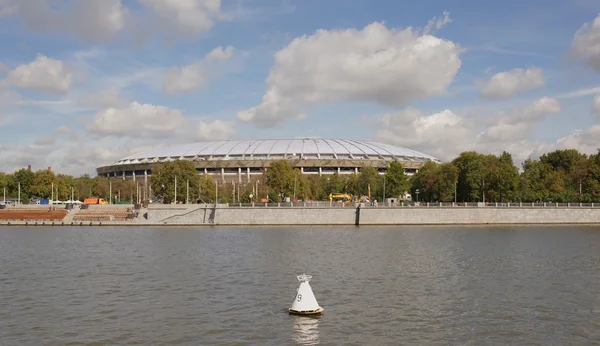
column 224, row 215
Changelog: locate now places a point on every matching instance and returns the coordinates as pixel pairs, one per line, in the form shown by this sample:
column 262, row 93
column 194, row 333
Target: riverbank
column 225, row 215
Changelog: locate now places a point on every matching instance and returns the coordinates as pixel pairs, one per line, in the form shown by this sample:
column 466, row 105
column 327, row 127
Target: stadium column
column 222, row 174
column 123, row 175
column 320, row 171
column 133, row 174
column 240, row 175
column 248, row 173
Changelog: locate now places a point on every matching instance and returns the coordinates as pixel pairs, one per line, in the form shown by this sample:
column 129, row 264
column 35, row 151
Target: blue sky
column 83, row 84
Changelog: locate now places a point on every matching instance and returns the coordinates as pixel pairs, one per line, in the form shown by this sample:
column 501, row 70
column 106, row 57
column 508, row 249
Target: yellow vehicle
column 344, row 197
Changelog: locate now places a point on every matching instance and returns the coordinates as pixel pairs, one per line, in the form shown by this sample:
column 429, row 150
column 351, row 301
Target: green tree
column 175, row 175
column 445, row 183
column 471, row 176
column 6, row 181
column 317, row 186
column 24, row 178
column 396, row 180
column 368, row 181
column 43, row 182
column 206, row 189
column 562, row 159
column 280, row 177
column 336, row 184
column 425, row 181
column 540, row 182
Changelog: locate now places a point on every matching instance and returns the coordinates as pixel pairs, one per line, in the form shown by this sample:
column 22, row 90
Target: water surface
column 232, row 286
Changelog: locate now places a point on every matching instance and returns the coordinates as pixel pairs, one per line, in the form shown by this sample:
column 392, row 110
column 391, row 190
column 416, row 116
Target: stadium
column 240, row 160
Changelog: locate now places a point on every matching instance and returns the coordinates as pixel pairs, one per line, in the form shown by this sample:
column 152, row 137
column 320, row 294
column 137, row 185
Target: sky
column 84, row 83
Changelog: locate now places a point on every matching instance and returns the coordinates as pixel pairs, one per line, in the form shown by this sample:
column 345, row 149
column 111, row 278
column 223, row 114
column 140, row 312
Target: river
column 232, row 286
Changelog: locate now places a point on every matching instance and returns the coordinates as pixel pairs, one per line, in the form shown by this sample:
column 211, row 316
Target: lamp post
column 383, row 199
column 483, row 189
column 294, row 188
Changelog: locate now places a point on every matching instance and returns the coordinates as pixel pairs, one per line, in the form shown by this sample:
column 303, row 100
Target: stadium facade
column 240, row 160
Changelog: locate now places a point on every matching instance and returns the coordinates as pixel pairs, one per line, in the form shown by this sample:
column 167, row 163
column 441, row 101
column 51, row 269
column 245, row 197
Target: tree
column 175, row 173
column 336, row 184
column 396, row 181
column 445, row 184
column 43, row 182
column 206, row 189
column 368, row 181
column 25, row 178
column 540, row 182
column 6, row 181
column 562, row 159
column 280, row 177
column 471, row 176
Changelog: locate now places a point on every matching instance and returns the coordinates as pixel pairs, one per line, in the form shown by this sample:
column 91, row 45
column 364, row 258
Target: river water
column 232, row 286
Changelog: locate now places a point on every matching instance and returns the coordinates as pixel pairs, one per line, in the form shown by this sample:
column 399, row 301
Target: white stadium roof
column 275, row 149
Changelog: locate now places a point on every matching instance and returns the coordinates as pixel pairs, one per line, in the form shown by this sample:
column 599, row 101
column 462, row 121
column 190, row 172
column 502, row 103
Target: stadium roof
column 265, row 149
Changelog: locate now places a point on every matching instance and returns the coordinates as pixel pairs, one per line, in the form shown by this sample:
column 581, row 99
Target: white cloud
column 586, row 141
column 596, row 105
column 581, row 92
column 188, row 17
column 197, row 75
column 435, row 24
column 375, row 64
column 446, row 134
column 219, row 53
column 513, row 82
column 215, row 130
column 93, row 20
column 586, row 44
column 156, row 122
column 43, row 74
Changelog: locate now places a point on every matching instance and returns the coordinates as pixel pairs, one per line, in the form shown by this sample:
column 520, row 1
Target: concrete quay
column 274, row 215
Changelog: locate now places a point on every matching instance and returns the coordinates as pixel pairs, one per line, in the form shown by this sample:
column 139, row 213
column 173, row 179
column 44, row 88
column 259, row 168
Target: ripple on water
column 379, row 286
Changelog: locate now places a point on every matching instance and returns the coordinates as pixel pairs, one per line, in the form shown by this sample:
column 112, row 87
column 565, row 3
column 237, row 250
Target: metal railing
column 325, row 204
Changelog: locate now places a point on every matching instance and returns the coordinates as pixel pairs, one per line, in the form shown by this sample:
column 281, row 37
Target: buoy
column 305, row 302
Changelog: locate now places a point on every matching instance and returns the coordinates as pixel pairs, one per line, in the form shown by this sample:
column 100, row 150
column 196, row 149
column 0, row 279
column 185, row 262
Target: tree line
column 558, row 176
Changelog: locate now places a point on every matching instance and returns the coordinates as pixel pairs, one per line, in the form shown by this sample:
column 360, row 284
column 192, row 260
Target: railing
column 324, row 204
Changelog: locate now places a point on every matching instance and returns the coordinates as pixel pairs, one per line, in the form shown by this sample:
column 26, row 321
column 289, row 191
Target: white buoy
column 305, row 302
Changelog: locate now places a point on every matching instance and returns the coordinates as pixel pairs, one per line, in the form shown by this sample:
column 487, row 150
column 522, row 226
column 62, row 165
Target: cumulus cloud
column 158, row 122
column 447, row 133
column 508, row 84
column 376, row 64
column 586, row 44
column 585, row 141
column 188, row 17
column 43, row 74
column 197, row 75
column 92, row 20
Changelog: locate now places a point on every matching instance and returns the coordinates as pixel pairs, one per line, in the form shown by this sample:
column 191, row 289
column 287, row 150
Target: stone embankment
column 274, row 215
column 222, row 214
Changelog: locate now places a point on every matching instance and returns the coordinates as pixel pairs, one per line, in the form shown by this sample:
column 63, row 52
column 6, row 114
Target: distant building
column 240, row 160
